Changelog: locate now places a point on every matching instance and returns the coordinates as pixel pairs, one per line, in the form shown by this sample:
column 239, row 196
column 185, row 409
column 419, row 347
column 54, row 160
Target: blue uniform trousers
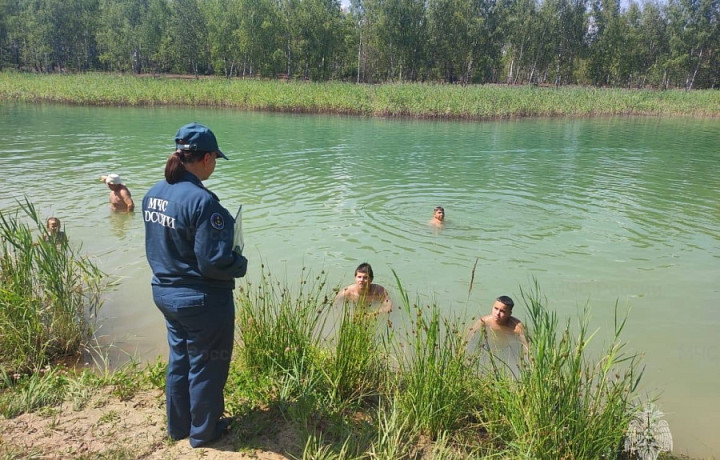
column 200, row 325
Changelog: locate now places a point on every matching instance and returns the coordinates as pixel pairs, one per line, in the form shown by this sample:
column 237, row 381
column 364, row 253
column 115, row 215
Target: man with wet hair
column 501, row 323
column 438, row 217
column 364, row 291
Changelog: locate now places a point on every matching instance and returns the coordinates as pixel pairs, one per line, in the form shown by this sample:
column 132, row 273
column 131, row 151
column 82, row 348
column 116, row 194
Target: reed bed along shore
column 416, row 100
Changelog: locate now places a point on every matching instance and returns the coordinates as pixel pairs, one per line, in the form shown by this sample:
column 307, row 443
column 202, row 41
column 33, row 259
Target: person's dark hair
column 175, row 166
column 439, row 208
column 365, row 268
column 49, row 219
column 507, row 301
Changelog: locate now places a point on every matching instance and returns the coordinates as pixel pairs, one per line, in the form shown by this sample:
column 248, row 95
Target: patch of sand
column 109, row 427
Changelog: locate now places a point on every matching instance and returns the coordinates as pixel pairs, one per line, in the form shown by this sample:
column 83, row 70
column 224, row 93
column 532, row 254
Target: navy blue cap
column 197, row 138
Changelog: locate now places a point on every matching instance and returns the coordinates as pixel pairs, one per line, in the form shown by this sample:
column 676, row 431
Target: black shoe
column 177, row 436
column 221, row 429
column 223, row 426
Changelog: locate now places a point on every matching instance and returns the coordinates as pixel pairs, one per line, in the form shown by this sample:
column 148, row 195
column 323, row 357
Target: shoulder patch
column 217, row 222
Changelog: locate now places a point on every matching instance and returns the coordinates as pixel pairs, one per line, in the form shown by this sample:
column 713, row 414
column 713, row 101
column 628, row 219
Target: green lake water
column 598, row 211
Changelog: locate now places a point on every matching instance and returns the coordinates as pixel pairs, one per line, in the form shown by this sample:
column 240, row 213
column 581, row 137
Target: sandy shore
column 107, row 427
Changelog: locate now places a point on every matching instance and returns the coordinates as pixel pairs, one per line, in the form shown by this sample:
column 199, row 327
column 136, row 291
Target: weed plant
column 429, row 397
column 416, row 100
column 355, row 369
column 278, row 328
column 54, row 384
column 393, row 436
column 434, row 380
column 564, row 402
column 31, row 391
column 349, row 389
column 49, row 294
column 280, row 331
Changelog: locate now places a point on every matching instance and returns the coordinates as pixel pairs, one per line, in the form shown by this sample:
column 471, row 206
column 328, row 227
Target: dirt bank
column 110, row 428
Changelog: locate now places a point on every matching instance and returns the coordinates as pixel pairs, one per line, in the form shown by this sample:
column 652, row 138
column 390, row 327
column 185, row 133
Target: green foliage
column 48, row 296
column 26, row 393
column 565, row 402
column 345, row 387
column 306, row 345
column 52, row 385
column 125, row 381
column 317, row 448
column 434, row 380
column 355, row 369
column 393, row 437
column 155, row 373
column 246, row 389
column 400, row 99
column 552, row 42
column 277, row 327
column 81, row 386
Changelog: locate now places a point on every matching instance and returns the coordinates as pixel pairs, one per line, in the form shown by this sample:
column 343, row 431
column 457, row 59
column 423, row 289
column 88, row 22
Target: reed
column 429, row 397
column 307, row 345
column 355, row 390
column 49, row 296
column 565, row 402
column 418, row 100
column 355, row 370
column 435, row 384
column 278, row 327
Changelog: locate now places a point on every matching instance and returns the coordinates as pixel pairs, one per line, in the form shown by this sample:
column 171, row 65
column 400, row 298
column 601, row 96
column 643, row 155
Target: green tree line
column 550, row 42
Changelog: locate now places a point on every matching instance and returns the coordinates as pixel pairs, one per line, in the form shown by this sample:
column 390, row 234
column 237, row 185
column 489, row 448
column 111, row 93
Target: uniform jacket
column 189, row 236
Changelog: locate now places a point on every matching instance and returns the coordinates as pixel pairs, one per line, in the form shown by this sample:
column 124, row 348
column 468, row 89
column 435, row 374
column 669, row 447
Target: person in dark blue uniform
column 189, row 246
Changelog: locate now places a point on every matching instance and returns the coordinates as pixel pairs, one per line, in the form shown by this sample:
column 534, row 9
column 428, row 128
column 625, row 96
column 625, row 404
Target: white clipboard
column 238, row 241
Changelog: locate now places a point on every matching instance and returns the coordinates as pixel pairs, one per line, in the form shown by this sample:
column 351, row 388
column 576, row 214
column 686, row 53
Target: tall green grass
column 303, row 343
column 348, row 385
column 566, row 402
column 355, row 368
column 49, row 294
column 278, row 327
column 422, row 394
column 435, row 384
column 417, row 100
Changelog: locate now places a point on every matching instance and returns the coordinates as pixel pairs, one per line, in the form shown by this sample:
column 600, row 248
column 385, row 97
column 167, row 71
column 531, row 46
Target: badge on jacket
column 217, row 221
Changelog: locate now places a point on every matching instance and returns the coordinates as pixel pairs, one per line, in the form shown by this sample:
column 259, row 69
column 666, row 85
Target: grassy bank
column 314, row 380
column 391, row 100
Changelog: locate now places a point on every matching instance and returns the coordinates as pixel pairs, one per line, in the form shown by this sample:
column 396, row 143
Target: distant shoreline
column 400, row 100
